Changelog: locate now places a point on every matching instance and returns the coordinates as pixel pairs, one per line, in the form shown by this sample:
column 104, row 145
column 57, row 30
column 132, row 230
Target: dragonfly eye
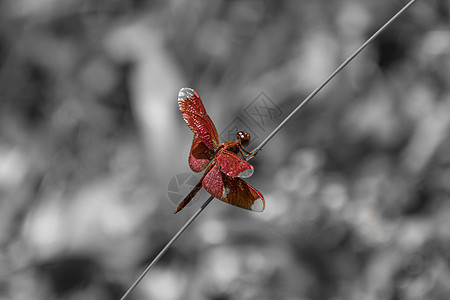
column 244, row 138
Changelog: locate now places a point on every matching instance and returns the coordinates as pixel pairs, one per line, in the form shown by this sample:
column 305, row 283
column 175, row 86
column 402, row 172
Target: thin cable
column 263, row 143
column 164, row 250
column 321, row 86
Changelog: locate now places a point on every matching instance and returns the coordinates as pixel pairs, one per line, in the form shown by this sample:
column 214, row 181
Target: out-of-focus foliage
column 357, row 185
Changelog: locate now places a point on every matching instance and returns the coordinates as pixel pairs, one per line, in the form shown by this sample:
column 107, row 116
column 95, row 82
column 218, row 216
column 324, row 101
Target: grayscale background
column 357, row 185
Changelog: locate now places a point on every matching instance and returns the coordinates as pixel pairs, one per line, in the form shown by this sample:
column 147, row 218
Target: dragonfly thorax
column 232, row 146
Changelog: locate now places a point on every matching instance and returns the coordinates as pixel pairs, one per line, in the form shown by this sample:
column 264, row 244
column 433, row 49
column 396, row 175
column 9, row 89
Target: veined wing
column 196, row 118
column 242, row 194
column 213, row 182
column 232, row 165
column 200, row 155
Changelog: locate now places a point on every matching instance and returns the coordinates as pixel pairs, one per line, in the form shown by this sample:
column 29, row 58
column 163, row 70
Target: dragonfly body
column 224, row 168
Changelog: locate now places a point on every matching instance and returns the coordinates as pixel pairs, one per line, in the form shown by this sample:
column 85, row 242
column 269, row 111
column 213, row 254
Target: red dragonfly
column 224, row 168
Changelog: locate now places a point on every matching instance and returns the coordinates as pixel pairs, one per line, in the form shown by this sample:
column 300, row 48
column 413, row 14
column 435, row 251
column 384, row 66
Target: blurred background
column 92, row 145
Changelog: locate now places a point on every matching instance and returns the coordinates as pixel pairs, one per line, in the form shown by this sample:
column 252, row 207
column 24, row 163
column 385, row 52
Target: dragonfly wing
column 213, row 183
column 195, row 116
column 242, row 194
column 232, row 165
column 200, row 155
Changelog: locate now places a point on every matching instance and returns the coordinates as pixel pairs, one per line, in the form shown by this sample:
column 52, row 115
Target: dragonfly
column 224, row 168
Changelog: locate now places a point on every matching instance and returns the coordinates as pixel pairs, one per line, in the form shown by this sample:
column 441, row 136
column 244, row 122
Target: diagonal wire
column 164, row 250
column 268, row 138
column 325, row 82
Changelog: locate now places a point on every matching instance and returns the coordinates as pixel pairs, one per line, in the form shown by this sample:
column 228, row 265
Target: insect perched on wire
column 224, row 168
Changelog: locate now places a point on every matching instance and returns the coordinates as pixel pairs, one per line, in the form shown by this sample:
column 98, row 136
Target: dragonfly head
column 243, row 138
